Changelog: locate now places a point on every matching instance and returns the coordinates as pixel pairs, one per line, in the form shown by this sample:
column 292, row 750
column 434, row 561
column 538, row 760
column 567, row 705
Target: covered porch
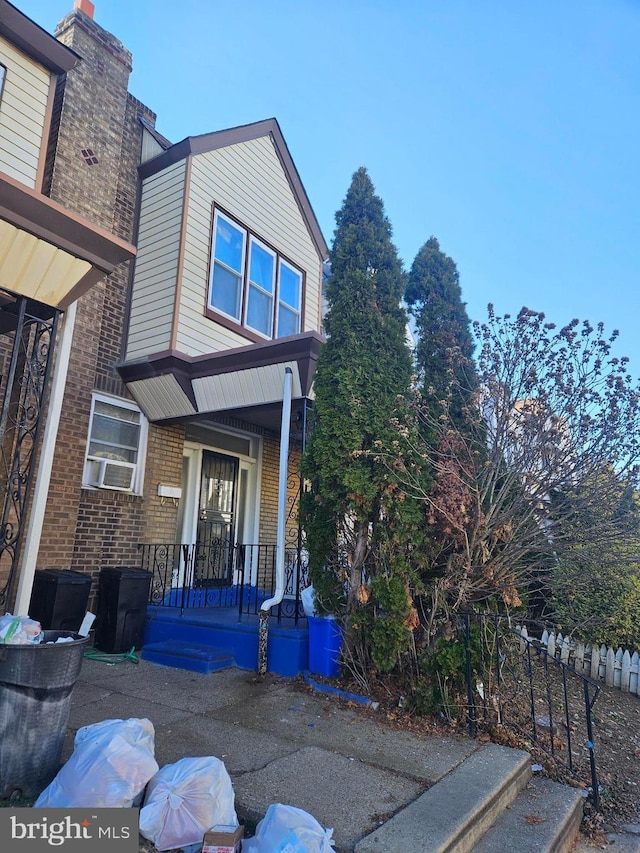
column 239, row 552
column 204, row 607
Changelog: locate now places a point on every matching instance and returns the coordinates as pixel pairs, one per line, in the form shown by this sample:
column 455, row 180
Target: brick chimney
column 90, row 108
column 85, row 6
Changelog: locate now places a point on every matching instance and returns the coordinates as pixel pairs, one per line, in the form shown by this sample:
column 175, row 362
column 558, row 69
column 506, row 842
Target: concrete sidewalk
column 280, row 743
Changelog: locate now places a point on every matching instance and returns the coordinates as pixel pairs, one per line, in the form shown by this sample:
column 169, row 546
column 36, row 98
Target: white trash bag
column 287, row 829
column 308, row 598
column 111, row 763
column 184, row 800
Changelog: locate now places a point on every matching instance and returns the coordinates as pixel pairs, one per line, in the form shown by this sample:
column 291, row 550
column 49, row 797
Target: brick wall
column 92, row 169
column 164, row 465
column 92, row 120
column 107, row 533
column 269, row 494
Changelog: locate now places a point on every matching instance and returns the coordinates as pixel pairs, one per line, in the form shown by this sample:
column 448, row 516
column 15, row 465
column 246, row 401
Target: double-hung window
column 251, row 284
column 116, row 445
column 289, row 300
column 261, row 288
column 228, row 268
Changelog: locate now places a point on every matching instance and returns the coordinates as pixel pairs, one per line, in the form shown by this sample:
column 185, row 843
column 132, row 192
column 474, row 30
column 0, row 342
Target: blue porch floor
column 206, row 639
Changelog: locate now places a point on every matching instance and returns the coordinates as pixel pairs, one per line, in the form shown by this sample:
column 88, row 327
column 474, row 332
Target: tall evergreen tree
column 445, row 345
column 362, row 378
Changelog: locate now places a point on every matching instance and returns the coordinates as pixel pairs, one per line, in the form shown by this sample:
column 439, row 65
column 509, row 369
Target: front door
column 216, row 530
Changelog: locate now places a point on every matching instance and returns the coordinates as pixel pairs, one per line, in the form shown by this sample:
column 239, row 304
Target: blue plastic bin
column 325, row 643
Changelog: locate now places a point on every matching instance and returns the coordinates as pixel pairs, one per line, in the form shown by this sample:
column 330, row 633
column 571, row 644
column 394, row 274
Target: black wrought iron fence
column 223, row 574
column 513, row 681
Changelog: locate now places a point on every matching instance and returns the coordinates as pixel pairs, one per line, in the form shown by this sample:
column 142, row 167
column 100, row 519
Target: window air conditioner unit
column 112, row 474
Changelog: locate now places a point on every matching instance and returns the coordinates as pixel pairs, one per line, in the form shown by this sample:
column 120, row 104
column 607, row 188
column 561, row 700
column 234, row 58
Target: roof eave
column 46, row 220
column 35, row 41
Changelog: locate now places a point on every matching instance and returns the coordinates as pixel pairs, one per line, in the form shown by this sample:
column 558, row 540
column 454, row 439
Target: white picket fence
column 616, row 668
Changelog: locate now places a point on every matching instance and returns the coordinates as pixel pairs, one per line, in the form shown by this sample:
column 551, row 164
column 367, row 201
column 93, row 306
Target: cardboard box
column 223, row 839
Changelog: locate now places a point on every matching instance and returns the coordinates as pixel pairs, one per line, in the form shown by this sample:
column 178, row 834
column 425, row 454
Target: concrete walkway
column 278, row 743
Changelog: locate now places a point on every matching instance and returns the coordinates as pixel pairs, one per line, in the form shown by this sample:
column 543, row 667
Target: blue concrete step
column 237, row 637
column 196, row 657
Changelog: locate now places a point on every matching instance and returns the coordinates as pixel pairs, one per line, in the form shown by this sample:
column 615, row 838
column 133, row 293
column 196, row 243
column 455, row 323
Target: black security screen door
column 216, row 527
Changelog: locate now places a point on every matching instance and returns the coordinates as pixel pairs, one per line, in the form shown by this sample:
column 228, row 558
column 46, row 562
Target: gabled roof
column 162, row 141
column 232, row 136
column 34, row 41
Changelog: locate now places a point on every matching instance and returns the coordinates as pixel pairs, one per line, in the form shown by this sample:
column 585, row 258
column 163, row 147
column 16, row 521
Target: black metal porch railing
column 27, row 337
column 223, row 574
column 512, row 680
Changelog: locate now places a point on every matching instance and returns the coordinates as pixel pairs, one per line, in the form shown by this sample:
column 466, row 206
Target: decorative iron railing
column 513, row 681
column 223, row 574
column 27, row 338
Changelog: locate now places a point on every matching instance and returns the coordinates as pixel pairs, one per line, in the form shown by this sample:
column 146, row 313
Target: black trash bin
column 59, row 598
column 122, row 608
column 36, row 682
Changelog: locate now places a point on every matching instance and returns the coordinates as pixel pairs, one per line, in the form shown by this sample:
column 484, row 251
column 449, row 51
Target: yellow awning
column 48, row 253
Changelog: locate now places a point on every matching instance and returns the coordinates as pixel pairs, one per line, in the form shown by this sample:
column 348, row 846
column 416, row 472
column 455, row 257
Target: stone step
column 453, row 815
column 196, row 657
column 544, row 818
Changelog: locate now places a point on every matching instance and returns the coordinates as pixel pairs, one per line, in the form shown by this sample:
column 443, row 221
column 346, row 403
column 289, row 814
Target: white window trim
column 90, row 461
column 250, row 283
column 241, row 273
column 249, row 238
column 297, row 311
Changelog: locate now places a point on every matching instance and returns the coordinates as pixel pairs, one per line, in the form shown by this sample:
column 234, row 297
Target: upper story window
column 3, row 74
column 289, row 300
column 251, row 284
column 116, row 445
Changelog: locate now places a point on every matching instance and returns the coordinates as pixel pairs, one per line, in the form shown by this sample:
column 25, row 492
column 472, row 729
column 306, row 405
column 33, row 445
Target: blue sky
column 509, row 130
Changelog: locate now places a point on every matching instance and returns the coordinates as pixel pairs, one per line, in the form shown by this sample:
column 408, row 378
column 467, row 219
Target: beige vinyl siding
column 23, row 108
column 248, row 181
column 150, row 146
column 156, row 272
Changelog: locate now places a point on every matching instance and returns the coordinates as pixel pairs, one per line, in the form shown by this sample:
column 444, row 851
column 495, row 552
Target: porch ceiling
column 246, row 382
column 49, row 254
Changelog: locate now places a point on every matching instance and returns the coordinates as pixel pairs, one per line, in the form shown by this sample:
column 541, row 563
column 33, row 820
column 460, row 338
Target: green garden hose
column 94, row 654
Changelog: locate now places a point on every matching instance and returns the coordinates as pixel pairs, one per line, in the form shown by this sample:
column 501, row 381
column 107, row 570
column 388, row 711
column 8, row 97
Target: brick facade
column 269, row 495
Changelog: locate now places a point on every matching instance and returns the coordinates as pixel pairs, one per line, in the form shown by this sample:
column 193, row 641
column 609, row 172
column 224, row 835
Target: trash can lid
column 125, row 571
column 62, row 576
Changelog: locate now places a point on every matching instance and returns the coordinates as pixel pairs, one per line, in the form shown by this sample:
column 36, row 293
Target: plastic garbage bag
column 111, row 763
column 184, row 800
column 308, row 598
column 287, row 829
column 19, row 630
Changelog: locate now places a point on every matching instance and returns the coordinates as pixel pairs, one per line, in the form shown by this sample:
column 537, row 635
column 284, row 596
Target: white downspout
column 278, row 594
column 31, row 544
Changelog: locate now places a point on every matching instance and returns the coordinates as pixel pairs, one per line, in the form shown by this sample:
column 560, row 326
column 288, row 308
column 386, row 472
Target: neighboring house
column 49, row 257
column 169, row 434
